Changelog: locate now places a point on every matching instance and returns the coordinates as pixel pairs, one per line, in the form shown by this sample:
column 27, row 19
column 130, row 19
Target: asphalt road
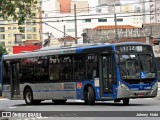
column 70, row 110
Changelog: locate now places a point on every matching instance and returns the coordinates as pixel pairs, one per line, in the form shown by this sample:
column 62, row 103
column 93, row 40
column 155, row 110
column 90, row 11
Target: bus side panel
column 6, row 91
column 47, row 91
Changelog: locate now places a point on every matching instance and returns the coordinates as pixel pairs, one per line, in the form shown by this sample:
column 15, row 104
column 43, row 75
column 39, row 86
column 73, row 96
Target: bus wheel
column 126, row 101
column 28, row 96
column 90, row 96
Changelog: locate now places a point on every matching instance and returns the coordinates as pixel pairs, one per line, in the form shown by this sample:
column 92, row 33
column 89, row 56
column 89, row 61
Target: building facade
column 11, row 36
column 108, row 2
column 63, row 24
column 112, row 33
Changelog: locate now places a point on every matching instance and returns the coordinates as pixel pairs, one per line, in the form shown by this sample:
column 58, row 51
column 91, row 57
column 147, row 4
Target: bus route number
column 127, row 48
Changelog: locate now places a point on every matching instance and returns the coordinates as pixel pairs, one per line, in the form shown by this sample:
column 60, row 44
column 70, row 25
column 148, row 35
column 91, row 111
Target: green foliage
column 17, row 9
column 2, row 50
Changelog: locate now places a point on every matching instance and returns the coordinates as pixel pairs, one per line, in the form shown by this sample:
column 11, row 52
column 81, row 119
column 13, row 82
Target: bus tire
column 90, row 96
column 126, row 101
column 28, row 96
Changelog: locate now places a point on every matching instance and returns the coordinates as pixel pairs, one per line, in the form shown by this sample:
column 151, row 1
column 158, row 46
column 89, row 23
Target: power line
column 81, row 19
column 54, row 17
column 55, row 28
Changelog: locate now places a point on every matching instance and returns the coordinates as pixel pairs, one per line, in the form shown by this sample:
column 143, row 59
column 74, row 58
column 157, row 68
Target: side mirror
column 117, row 59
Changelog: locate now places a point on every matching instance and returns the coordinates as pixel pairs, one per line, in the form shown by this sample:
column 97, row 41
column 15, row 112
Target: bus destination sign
column 134, row 48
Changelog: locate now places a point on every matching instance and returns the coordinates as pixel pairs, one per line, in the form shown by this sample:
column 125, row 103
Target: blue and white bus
column 98, row 72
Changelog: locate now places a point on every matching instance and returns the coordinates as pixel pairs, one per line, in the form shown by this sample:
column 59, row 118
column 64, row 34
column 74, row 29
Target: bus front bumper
column 127, row 93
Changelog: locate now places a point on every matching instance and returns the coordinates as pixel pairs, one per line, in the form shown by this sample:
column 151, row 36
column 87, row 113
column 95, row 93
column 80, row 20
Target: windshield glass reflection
column 131, row 65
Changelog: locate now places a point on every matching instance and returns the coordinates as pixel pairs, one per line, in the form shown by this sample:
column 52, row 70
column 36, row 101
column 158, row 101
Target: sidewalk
column 1, row 98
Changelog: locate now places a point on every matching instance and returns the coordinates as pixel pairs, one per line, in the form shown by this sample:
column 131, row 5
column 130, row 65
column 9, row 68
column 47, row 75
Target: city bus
column 93, row 72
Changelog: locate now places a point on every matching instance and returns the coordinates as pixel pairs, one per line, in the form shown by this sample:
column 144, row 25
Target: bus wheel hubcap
column 28, row 97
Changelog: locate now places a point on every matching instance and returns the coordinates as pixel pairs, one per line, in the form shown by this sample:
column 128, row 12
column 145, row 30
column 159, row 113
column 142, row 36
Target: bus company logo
column 79, row 85
column 6, row 114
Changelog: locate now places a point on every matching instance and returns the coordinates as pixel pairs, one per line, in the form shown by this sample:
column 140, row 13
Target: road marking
column 12, row 107
column 29, row 106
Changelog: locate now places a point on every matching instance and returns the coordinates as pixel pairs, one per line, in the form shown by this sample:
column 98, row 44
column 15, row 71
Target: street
column 69, row 109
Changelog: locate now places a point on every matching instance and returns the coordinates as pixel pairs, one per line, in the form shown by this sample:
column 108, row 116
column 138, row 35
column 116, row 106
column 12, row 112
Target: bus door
column 106, row 75
column 15, row 90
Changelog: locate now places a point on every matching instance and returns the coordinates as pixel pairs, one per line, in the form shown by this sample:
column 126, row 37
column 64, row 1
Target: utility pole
column 64, row 35
column 143, row 11
column 115, row 20
column 75, row 20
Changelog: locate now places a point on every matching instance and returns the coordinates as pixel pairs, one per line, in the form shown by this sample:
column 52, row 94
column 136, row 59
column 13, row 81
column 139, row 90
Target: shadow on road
column 83, row 104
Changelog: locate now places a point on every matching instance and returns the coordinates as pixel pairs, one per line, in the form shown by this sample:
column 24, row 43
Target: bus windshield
column 131, row 65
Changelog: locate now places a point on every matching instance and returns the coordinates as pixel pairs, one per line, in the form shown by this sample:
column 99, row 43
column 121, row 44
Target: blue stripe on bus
column 53, row 90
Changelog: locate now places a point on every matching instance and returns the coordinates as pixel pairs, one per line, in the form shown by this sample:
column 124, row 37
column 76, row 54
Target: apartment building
column 11, row 36
column 67, row 6
column 150, row 10
column 108, row 2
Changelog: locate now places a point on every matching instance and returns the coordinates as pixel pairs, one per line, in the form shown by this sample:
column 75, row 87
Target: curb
column 4, row 99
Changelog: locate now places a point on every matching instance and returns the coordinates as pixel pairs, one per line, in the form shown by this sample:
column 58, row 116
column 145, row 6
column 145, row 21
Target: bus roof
column 65, row 50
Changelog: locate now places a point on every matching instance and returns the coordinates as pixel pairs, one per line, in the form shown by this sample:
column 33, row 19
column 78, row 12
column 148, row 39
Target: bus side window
column 44, row 68
column 6, row 72
column 27, row 68
column 60, row 67
column 91, row 66
column 54, row 68
column 79, row 67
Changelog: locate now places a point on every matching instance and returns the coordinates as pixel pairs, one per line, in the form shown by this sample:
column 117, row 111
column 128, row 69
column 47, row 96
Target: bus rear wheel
column 89, row 96
column 126, row 101
column 28, row 96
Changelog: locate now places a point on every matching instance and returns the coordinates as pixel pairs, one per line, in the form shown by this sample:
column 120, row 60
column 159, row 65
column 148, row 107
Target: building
column 81, row 6
column 64, row 23
column 112, row 33
column 150, row 10
column 67, row 6
column 64, row 6
column 64, row 16
column 11, row 36
column 108, row 2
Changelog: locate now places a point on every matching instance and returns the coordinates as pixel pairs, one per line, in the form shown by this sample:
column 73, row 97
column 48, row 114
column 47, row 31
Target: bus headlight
column 124, row 86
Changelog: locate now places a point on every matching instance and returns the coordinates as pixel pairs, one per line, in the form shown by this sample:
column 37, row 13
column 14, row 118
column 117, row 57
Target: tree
column 17, row 9
column 2, row 50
